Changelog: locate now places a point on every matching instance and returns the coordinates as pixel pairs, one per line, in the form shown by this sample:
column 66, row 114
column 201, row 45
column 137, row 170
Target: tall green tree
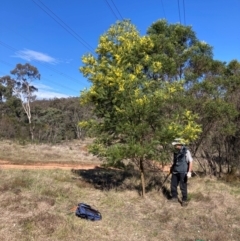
column 134, row 112
column 184, row 56
column 229, row 130
column 180, row 52
column 215, row 100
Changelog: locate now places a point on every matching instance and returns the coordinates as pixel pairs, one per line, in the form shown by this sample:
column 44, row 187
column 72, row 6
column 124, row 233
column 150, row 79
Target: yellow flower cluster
column 146, row 42
column 142, row 101
column 186, row 127
column 83, row 124
column 121, row 86
column 119, row 110
column 118, row 58
column 167, row 89
column 146, row 58
column 92, row 91
column 89, row 60
column 138, row 68
column 156, row 66
column 131, row 77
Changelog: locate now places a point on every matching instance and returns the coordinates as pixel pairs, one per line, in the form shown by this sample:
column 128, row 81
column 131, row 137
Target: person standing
column 181, row 170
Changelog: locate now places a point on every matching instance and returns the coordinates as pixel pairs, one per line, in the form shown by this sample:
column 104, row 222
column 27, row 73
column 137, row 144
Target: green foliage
column 129, row 104
column 181, row 54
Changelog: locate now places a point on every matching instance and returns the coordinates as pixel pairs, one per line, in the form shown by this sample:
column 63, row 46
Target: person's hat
column 178, row 141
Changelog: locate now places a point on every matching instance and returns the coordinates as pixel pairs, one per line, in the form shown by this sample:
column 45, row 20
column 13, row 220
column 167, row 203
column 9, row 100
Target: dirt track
column 63, row 166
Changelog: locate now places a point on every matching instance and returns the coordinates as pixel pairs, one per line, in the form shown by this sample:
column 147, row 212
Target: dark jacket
column 180, row 164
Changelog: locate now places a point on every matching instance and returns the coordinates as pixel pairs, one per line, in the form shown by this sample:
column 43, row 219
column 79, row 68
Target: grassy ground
column 68, row 152
column 38, row 205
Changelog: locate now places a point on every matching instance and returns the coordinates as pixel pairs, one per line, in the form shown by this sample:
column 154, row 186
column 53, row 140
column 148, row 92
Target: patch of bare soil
column 62, row 166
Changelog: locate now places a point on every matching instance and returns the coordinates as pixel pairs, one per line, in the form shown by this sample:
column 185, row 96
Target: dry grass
column 69, row 152
column 39, row 208
column 36, row 205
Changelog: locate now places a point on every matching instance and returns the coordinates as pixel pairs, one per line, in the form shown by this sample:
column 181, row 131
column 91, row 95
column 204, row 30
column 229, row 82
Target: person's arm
column 190, row 166
column 190, row 163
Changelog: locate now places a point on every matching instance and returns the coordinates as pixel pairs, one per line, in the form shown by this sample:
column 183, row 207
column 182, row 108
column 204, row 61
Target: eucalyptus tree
column 23, row 88
column 133, row 120
column 229, row 134
column 180, row 52
column 207, row 87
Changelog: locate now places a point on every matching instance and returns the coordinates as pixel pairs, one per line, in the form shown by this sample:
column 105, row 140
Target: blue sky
column 53, row 35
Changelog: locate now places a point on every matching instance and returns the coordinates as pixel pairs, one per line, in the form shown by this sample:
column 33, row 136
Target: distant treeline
column 53, row 120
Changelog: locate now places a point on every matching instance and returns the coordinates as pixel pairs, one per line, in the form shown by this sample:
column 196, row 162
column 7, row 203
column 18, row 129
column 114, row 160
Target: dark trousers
column 179, row 178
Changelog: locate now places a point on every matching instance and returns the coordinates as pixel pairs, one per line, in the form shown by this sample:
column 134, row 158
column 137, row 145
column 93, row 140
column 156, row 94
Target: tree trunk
column 31, row 131
column 199, row 162
column 142, row 178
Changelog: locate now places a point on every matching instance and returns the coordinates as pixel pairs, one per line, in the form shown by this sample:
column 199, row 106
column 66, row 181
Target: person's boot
column 173, row 200
column 184, row 203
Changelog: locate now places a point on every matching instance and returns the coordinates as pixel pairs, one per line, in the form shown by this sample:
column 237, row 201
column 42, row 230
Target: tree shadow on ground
column 107, row 179
column 166, row 192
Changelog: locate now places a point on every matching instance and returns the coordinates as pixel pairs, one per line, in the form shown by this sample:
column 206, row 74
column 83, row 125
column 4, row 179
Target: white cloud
column 31, row 55
column 68, row 61
column 42, row 86
column 45, row 92
column 42, row 94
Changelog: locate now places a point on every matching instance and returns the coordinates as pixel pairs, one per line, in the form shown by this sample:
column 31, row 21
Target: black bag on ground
column 85, row 211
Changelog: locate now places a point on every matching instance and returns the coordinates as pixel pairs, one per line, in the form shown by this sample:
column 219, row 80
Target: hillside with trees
column 23, row 117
